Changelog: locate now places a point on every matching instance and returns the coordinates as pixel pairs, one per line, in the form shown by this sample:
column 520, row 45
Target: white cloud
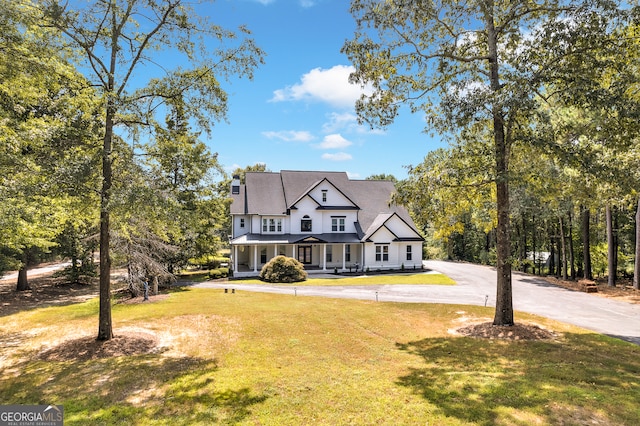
column 339, row 121
column 348, row 122
column 330, row 86
column 265, row 2
column 338, row 156
column 334, row 141
column 290, row 135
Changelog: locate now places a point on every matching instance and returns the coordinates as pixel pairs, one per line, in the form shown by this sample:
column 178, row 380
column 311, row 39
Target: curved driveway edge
column 476, row 285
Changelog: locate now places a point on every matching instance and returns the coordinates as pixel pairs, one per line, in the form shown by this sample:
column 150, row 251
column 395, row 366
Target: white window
column 241, row 222
column 271, row 225
column 337, row 224
column 408, row 252
column 329, row 254
column 382, row 253
column 324, row 195
column 347, row 253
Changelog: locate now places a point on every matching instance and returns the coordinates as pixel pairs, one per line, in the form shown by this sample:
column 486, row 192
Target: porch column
column 275, row 250
column 344, row 256
column 255, row 258
column 324, row 257
column 235, row 258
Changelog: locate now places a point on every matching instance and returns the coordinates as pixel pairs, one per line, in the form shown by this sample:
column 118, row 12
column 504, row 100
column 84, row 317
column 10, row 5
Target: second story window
column 241, row 222
column 337, row 224
column 271, row 225
column 324, row 195
column 305, row 224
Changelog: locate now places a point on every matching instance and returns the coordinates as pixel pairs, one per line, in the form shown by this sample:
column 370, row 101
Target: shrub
column 282, row 269
column 214, row 274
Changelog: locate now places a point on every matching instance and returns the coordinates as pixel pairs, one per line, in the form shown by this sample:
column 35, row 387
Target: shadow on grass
column 129, row 389
column 44, row 292
column 584, row 379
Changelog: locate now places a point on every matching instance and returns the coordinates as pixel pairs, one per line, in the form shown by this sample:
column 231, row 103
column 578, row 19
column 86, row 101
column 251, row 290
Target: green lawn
column 251, row 358
column 420, row 279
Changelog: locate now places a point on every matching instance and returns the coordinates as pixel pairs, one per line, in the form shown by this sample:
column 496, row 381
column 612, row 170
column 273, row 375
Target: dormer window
column 235, row 185
column 324, row 195
column 305, row 224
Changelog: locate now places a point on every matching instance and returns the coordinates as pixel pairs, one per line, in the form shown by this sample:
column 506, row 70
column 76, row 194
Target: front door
column 304, row 254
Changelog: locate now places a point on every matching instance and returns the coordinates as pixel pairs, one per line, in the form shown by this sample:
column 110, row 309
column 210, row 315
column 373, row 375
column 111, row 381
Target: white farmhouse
column 324, row 219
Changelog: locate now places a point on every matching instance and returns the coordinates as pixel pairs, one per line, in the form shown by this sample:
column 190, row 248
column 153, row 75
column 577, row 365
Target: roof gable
column 395, row 225
column 335, row 196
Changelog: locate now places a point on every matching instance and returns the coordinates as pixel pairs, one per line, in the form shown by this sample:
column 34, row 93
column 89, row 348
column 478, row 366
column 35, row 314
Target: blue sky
column 298, row 112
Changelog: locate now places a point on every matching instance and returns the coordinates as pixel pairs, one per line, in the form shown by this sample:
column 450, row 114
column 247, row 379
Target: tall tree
column 117, row 40
column 47, row 126
column 459, row 64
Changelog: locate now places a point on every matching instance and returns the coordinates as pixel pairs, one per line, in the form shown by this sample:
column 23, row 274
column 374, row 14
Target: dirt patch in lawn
column 518, row 331
column 88, row 348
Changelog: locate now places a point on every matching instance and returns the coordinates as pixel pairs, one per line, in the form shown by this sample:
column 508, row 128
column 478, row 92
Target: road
column 36, row 272
column 476, row 285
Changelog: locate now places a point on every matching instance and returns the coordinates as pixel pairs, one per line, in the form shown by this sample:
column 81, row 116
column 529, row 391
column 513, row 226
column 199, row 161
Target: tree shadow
column 128, row 389
column 493, row 382
column 44, row 292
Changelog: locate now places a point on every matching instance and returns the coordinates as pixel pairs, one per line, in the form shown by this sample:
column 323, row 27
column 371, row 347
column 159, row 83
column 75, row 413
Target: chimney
column 235, row 185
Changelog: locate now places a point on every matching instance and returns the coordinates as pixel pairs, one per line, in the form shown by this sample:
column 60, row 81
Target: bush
column 214, row 274
column 282, row 269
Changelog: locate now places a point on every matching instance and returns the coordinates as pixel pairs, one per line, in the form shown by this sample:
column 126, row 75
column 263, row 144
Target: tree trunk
column 524, row 242
column 611, row 248
column 533, row 244
column 131, row 276
column 616, row 241
column 572, row 257
column 556, row 242
column 504, row 297
column 552, row 257
column 636, row 268
column 586, row 244
column 23, row 282
column 563, row 250
column 105, row 325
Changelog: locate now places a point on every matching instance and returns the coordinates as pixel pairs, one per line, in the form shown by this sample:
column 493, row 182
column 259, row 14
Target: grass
column 251, row 358
column 365, row 280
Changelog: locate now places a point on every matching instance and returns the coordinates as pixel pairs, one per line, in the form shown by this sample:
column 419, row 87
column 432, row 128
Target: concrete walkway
column 476, row 285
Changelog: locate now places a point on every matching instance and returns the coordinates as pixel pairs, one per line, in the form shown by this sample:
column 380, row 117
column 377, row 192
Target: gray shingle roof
column 272, row 193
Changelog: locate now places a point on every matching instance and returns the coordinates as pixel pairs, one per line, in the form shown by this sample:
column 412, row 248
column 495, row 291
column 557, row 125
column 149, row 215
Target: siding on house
column 323, row 218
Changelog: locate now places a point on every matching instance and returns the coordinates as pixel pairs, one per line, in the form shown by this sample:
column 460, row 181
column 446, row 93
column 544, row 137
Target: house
column 324, row 219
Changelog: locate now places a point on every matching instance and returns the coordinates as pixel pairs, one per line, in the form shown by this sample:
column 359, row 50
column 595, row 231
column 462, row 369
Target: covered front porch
column 317, row 253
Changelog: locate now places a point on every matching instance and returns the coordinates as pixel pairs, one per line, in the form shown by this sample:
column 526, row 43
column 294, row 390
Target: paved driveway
column 476, row 285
